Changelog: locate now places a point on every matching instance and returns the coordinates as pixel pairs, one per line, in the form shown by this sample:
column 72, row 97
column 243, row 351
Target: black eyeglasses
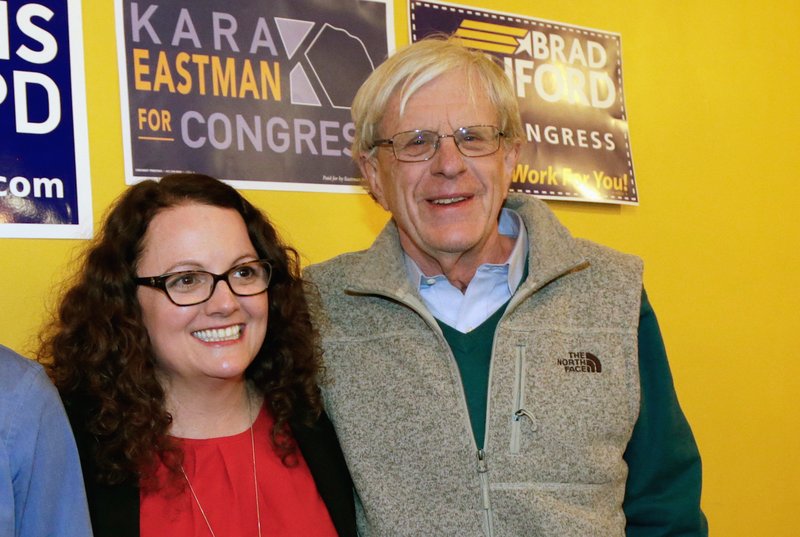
column 190, row 287
column 419, row 145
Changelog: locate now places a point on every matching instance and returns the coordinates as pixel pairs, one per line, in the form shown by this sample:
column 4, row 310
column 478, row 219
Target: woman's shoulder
column 320, row 448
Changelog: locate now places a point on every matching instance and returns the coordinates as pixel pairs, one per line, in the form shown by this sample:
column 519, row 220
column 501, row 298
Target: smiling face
column 446, row 208
column 216, row 339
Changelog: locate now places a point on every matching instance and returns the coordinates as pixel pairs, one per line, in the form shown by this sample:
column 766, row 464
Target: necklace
column 255, row 481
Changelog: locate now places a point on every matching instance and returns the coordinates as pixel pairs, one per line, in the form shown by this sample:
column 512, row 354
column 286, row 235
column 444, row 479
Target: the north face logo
column 581, row 362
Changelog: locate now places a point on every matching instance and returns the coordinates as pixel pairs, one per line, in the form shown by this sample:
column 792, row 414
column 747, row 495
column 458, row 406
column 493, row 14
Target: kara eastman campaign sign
column 255, row 93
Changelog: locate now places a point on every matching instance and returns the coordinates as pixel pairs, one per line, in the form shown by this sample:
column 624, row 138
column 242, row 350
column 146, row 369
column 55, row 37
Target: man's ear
column 512, row 156
column 369, row 171
column 510, row 159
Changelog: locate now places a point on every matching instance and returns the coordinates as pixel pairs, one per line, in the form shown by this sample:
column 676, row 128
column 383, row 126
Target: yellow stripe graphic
column 156, row 139
column 484, row 36
column 496, row 28
column 489, row 37
column 490, row 47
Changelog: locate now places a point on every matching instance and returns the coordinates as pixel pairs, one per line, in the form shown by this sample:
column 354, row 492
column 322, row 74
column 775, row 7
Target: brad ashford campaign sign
column 568, row 81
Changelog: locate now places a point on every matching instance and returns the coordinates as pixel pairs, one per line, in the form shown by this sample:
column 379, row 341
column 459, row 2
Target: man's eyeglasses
column 190, row 287
column 420, row 145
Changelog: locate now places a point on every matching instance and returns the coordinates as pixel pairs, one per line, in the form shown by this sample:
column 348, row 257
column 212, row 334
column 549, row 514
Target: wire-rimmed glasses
column 420, row 145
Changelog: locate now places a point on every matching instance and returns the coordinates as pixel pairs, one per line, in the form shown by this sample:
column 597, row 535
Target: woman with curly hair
column 188, row 365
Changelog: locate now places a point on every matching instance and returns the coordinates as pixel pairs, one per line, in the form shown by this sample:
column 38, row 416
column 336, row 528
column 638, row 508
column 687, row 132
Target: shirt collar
column 510, row 225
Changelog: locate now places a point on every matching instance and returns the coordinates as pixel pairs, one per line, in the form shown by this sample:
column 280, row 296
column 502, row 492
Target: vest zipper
column 518, row 396
column 519, row 401
column 483, row 474
column 483, row 469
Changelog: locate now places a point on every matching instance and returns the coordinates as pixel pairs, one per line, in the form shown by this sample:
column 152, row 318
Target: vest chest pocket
column 558, row 414
column 520, row 413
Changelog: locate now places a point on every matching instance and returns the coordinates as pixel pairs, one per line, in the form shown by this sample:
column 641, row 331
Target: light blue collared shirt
column 41, row 485
column 490, row 288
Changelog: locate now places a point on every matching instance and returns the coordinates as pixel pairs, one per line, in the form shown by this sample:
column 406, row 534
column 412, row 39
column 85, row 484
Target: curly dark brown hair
column 99, row 355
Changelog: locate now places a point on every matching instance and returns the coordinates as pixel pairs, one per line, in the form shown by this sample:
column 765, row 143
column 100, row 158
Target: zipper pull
column 483, row 474
column 483, row 468
column 528, row 414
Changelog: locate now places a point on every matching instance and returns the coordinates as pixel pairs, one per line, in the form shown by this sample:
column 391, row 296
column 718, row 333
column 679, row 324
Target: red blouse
column 221, row 473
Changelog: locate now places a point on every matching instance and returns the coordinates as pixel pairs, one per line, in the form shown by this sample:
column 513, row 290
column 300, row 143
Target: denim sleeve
column 41, row 458
column 662, row 494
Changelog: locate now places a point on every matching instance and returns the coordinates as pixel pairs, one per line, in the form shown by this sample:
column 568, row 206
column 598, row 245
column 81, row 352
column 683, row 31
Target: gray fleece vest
column 563, row 393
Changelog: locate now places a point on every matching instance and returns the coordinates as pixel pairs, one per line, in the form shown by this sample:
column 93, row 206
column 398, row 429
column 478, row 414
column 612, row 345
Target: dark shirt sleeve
column 662, row 494
column 114, row 509
column 321, row 451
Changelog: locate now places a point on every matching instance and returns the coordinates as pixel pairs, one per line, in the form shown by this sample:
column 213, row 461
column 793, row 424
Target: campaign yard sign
column 568, row 80
column 254, row 93
column 45, row 189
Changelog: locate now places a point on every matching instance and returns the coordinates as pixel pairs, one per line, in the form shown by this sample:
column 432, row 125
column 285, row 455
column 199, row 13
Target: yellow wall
column 712, row 90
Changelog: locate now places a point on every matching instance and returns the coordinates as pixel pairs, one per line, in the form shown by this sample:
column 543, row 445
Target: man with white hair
column 489, row 374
